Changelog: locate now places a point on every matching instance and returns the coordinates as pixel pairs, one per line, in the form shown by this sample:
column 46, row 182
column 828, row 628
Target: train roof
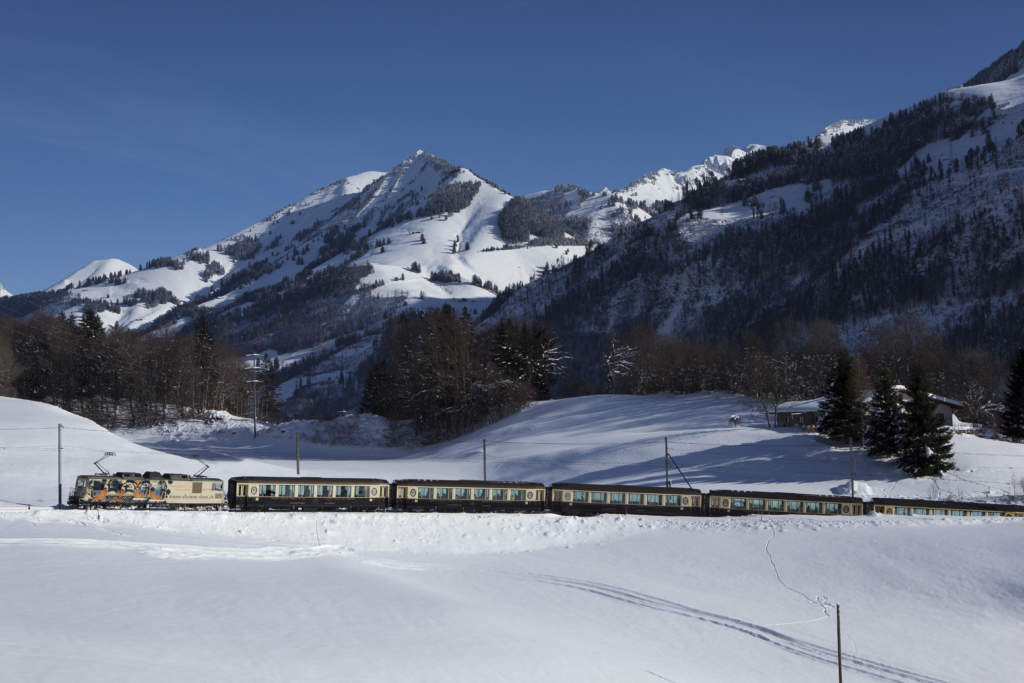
column 147, row 475
column 624, row 488
column 947, row 504
column 469, row 483
column 781, row 495
column 307, row 480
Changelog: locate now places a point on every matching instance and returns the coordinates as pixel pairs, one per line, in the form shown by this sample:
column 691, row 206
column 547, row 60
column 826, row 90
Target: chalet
column 807, row 413
column 799, row 413
column 943, row 406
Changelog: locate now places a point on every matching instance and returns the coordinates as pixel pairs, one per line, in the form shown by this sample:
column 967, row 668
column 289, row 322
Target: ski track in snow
column 796, row 646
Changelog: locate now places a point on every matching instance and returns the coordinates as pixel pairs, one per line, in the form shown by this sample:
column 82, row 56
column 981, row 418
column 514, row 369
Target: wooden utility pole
column 853, row 471
column 839, row 645
column 667, row 484
column 296, row 452
column 485, row 459
column 60, row 485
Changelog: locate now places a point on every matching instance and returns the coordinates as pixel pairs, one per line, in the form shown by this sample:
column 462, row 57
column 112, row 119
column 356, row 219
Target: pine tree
column 842, row 414
column 1012, row 422
column 884, row 433
column 926, row 449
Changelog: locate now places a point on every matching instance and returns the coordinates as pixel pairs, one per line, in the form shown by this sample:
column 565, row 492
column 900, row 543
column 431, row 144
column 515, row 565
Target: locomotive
column 153, row 490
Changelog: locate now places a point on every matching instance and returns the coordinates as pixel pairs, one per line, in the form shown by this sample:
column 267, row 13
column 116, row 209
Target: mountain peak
column 841, row 127
column 1004, row 67
column 92, row 270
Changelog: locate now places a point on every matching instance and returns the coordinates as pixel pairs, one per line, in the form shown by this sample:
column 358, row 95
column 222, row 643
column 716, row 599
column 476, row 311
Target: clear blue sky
column 131, row 130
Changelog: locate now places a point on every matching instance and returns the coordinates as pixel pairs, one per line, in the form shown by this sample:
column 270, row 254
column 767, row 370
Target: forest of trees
column 522, row 218
column 118, row 377
column 436, row 370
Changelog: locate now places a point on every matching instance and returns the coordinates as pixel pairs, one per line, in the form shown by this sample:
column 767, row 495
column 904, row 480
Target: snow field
column 396, row 600
column 92, row 595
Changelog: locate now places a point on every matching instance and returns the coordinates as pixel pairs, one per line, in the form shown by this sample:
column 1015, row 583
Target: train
column 155, row 490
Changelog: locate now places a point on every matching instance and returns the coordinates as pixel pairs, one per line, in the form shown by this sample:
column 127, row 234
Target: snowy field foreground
column 112, row 595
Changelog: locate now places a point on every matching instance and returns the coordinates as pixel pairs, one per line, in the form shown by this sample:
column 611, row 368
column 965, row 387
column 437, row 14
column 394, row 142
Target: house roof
column 812, row 405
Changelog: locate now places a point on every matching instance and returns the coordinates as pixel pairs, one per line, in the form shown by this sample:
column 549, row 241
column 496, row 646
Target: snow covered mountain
column 313, row 283
column 841, row 127
column 919, row 214
column 94, row 271
column 4, row 292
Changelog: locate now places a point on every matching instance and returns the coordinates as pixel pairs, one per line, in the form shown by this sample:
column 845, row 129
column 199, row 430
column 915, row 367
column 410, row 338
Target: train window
column 517, row 494
column 619, row 498
column 324, row 491
column 267, row 489
column 346, row 491
column 636, row 498
column 597, row 497
column 362, row 491
column 756, row 503
column 305, row 490
column 479, row 494
column 939, row 511
column 444, row 494
column 462, row 494
column 425, row 492
column 775, row 505
column 812, row 507
column 831, row 508
column 653, row 499
column 114, row 485
column 920, row 511
column 975, row 513
column 499, row 494
column 793, row 506
column 579, row 496
column 218, row 486
column 738, row 504
column 902, row 511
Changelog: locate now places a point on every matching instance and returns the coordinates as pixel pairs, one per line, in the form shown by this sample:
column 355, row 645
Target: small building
column 943, row 406
column 799, row 413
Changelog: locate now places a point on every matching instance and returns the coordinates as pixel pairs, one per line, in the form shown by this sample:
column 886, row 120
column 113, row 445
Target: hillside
column 920, row 214
column 628, row 593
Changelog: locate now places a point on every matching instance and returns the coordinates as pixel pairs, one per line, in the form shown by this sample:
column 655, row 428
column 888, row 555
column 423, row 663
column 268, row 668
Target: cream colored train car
column 943, row 508
column 308, row 493
column 468, row 495
column 773, row 503
column 595, row 499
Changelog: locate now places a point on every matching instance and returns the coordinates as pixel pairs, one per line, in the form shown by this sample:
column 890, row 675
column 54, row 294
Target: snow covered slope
column 3, row 292
column 606, row 598
column 841, row 127
column 93, row 270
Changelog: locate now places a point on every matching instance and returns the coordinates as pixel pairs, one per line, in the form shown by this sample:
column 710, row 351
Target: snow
column 268, row 596
column 809, row 406
column 1008, row 93
column 97, row 268
column 4, row 292
column 833, row 130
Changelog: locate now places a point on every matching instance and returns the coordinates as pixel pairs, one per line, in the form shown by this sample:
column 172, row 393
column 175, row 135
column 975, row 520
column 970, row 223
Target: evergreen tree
column 926, row 449
column 842, row 414
column 1012, row 423
column 884, row 433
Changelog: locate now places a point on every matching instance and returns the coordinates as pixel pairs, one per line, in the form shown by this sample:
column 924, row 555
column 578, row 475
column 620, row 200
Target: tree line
column 119, row 377
column 439, row 371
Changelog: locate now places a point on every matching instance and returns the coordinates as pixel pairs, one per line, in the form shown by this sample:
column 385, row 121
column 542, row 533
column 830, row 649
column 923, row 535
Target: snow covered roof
column 812, row 405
